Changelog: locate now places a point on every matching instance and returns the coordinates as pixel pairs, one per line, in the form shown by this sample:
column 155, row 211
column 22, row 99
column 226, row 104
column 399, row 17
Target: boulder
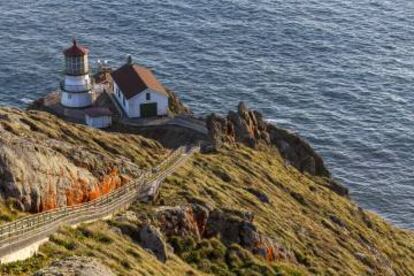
column 238, row 227
column 76, row 266
column 182, row 220
column 220, row 130
column 151, row 239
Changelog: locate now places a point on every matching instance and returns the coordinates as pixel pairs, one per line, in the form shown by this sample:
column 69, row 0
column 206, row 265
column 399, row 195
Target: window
column 148, row 96
column 69, row 96
column 76, row 65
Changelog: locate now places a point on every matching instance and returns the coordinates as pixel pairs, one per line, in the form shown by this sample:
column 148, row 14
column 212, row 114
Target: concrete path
column 20, row 239
column 181, row 121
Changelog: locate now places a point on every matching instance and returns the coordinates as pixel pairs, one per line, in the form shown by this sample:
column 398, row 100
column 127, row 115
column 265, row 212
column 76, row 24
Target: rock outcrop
column 230, row 226
column 183, row 220
column 49, row 174
column 41, row 172
column 151, row 239
column 175, row 105
column 238, row 227
column 248, row 127
column 76, row 266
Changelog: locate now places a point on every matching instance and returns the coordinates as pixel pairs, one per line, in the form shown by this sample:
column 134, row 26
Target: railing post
column 107, row 204
column 119, row 199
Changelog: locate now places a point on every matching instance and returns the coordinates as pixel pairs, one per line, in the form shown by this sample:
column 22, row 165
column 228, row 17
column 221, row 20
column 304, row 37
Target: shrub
column 133, row 253
column 68, row 244
column 101, row 237
column 5, row 217
column 126, row 264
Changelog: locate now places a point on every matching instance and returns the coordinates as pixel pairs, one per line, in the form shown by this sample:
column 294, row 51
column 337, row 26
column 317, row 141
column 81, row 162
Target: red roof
column 98, row 112
column 133, row 79
column 76, row 50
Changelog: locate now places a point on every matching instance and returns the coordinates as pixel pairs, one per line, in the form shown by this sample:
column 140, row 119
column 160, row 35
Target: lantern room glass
column 76, row 66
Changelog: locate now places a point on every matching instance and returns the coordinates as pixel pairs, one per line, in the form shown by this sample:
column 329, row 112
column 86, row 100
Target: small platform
column 101, row 100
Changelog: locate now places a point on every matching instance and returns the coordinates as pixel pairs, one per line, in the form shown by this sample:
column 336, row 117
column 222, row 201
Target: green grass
column 328, row 234
column 9, row 212
column 213, row 257
column 324, row 230
column 122, row 255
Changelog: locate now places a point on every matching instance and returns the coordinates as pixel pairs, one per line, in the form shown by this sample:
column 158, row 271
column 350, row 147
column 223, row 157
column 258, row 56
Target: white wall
column 76, row 99
column 135, row 102
column 120, row 98
column 77, row 83
column 24, row 253
column 132, row 106
column 98, row 122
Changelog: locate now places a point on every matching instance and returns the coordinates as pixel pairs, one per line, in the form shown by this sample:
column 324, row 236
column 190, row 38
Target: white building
column 98, row 117
column 138, row 92
column 76, row 87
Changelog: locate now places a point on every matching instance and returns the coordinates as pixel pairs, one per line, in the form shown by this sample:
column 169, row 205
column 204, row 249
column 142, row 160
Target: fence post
column 121, row 199
column 107, row 204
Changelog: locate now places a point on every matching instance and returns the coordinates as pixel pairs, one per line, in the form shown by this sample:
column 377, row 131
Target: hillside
column 47, row 163
column 244, row 208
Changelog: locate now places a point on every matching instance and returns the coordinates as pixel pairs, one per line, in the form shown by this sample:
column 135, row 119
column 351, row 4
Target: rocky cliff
column 261, row 203
column 46, row 163
column 248, row 127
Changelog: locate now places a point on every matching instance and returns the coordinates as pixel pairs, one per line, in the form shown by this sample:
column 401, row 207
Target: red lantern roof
column 76, row 50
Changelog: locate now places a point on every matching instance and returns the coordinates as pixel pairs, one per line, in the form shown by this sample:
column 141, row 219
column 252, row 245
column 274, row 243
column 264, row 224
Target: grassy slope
column 327, row 232
column 8, row 213
column 97, row 240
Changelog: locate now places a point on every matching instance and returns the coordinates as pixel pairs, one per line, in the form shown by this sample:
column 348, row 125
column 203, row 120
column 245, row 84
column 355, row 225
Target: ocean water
column 339, row 72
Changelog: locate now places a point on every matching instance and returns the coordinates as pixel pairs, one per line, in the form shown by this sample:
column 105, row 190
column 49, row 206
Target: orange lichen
column 270, row 254
column 49, row 201
column 82, row 191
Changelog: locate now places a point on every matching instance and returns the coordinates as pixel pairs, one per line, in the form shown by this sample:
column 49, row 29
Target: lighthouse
column 76, row 87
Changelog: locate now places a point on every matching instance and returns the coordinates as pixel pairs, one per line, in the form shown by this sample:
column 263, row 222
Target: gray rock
column 76, row 266
column 183, row 220
column 238, row 227
column 248, row 127
column 128, row 216
column 150, row 238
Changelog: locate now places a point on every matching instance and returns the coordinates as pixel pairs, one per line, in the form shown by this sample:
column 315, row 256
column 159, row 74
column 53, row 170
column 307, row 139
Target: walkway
column 180, row 120
column 21, row 234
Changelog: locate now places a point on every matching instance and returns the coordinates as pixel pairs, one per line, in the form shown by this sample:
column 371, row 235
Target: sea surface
column 339, row 72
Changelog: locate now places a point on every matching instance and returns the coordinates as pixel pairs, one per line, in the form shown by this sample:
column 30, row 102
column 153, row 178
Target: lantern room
column 76, row 60
column 76, row 86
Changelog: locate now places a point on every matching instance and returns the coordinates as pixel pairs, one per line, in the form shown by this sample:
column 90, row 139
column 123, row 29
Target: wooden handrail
column 46, row 222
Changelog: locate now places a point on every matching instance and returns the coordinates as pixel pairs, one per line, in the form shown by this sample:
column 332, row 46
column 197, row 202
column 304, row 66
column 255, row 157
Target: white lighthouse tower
column 76, row 87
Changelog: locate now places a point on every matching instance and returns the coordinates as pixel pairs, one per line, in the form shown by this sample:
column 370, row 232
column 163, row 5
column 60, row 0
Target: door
column 148, row 110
